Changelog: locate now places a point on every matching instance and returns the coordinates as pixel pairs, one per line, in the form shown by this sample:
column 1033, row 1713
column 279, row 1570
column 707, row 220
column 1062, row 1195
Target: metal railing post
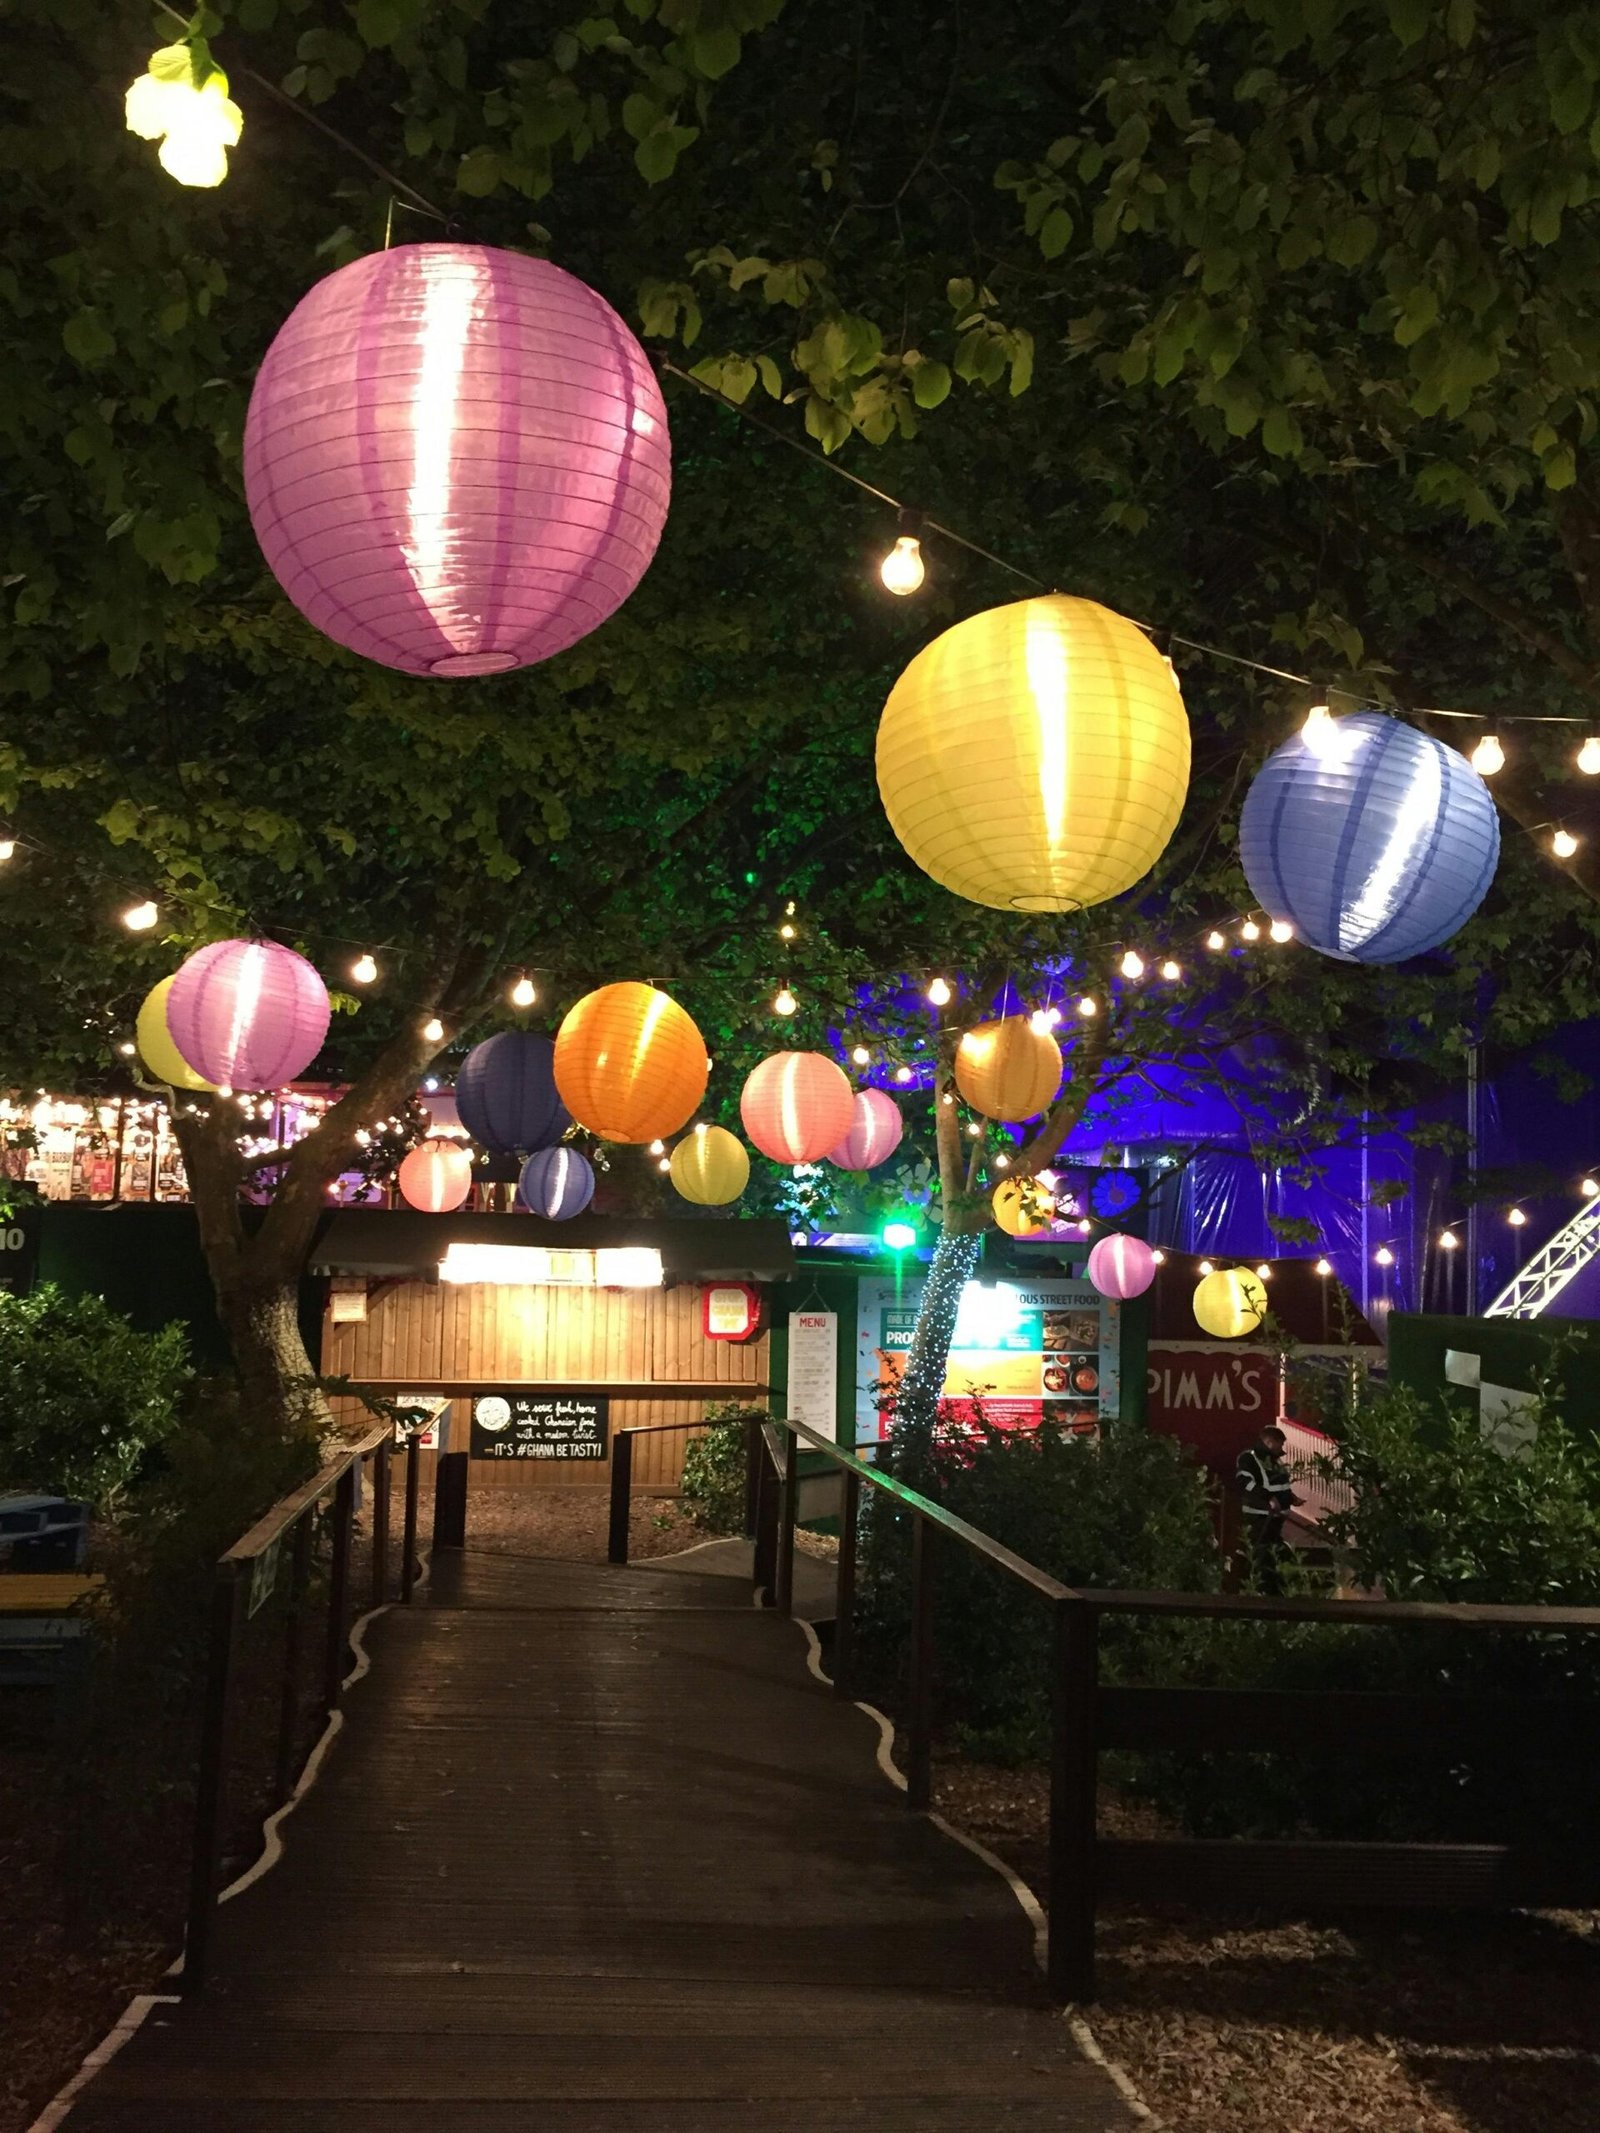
column 789, row 1503
column 227, row 1615
column 380, row 1522
column 844, row 1606
column 621, row 1496
column 450, row 1500
column 766, row 1539
column 919, row 1697
column 1073, row 1790
column 408, row 1562
column 289, row 1694
column 755, row 1453
column 344, row 1507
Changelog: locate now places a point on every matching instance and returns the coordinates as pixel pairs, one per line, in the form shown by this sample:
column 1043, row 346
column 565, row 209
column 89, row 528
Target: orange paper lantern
column 1022, row 1207
column 630, row 1064
column 436, row 1177
column 796, row 1106
column 1008, row 1069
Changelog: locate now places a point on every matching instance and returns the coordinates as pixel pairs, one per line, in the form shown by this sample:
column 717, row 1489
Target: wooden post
column 788, row 1506
column 380, row 1522
column 450, row 1500
column 408, row 1562
column 293, row 1644
column 844, row 1615
column 919, row 1699
column 1073, row 1789
column 227, row 1614
column 344, row 1511
column 621, row 1495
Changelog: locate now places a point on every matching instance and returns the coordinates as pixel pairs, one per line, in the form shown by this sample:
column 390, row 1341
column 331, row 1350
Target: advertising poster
column 1025, row 1351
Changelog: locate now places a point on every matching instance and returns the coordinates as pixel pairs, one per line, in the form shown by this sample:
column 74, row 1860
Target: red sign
column 730, row 1311
column 1213, row 1399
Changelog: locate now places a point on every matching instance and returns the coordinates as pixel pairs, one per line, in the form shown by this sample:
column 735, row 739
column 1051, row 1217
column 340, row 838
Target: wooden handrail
column 283, row 1514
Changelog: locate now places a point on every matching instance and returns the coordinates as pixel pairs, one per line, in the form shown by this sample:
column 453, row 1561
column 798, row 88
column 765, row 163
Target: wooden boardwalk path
column 596, row 1854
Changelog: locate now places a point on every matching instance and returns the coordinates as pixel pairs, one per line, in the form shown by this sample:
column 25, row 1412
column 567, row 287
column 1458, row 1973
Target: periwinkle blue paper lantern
column 506, row 1093
column 1375, row 841
column 556, row 1183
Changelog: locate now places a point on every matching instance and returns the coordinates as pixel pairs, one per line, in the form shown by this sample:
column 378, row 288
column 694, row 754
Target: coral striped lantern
column 1022, row 1207
column 796, row 1106
column 456, row 459
column 1121, row 1267
column 1228, row 1304
column 556, row 1183
column 1035, row 757
column 710, row 1167
column 1008, row 1069
column 248, row 1014
column 156, row 1048
column 874, row 1134
column 1374, row 841
column 506, row 1093
column 435, row 1178
column 630, row 1064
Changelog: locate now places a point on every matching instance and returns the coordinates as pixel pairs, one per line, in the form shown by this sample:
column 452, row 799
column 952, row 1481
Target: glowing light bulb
column 1263, row 1272
column 902, row 1073
column 1448, row 1240
column 1589, row 757
column 1488, row 756
column 127, row 1050
column 1321, row 732
column 861, row 1056
column 902, row 569
column 433, row 1030
column 1215, row 941
column 1249, row 931
column 1589, row 1188
column 1516, row 1218
column 1132, row 965
column 139, row 918
column 785, row 1003
column 1002, row 1162
column 939, row 993
column 658, row 1147
column 1171, row 971
column 665, row 1163
column 1206, row 1267
column 523, row 993
column 8, row 846
column 786, row 932
column 1088, row 1005
column 1084, row 1228
column 363, row 970
column 1324, row 1267
column 1383, row 1256
column 1563, row 844
column 973, row 1130
column 1280, row 930
column 1158, row 1257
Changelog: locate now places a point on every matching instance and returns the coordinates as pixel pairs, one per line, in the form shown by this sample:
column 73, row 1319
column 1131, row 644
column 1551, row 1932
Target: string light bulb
column 785, row 1003
column 786, row 931
column 1249, row 931
column 1263, row 1272
column 902, row 1073
column 665, row 1163
column 1158, row 1257
column 902, row 569
column 433, row 1030
column 139, row 918
column 1589, row 757
column 939, row 993
column 861, row 1055
column 1323, row 1267
column 1206, row 1267
column 1088, row 1006
column 8, row 846
column 1280, row 930
column 1171, row 971
column 1488, row 756
column 523, row 993
column 973, row 1129
column 1215, row 941
column 1448, row 1240
column 1132, row 965
column 1590, row 1188
column 1321, row 732
column 1383, row 1256
column 363, row 970
column 1516, row 1218
column 1002, row 1161
column 658, row 1147
column 1563, row 844
column 127, row 1050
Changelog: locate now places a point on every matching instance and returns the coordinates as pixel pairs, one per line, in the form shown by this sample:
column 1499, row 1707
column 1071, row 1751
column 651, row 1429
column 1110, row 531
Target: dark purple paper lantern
column 556, row 1183
column 248, row 1014
column 456, row 459
column 506, row 1093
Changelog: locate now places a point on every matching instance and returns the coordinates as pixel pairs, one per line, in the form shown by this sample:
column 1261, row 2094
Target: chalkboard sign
column 540, row 1425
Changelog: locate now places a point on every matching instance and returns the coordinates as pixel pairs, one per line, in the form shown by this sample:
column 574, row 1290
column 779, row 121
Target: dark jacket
column 1264, row 1484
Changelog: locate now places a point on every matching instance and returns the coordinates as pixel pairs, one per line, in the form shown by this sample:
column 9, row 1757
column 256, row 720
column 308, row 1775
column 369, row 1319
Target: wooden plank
column 1391, row 1723
column 46, row 1592
column 1289, row 1875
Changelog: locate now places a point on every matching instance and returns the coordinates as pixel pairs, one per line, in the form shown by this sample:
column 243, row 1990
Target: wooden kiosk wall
column 636, row 1344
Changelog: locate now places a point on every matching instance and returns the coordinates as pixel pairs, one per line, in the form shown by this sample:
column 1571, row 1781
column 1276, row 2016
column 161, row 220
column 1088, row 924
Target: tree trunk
column 277, row 1377
column 916, row 1408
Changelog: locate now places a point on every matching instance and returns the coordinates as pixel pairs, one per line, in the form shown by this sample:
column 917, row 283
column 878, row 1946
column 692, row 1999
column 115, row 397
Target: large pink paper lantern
column 875, row 1130
column 1122, row 1267
column 456, row 459
column 248, row 1014
column 796, row 1106
column 436, row 1177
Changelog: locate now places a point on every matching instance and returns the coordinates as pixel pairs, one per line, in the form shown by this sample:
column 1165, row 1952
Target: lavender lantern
column 247, row 1014
column 1122, row 1267
column 875, row 1130
column 456, row 459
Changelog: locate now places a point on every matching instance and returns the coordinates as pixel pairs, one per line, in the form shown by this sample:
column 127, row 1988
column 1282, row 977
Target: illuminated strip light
column 632, row 1266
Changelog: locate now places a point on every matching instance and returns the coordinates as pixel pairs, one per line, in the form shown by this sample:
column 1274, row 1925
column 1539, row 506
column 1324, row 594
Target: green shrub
column 712, row 1488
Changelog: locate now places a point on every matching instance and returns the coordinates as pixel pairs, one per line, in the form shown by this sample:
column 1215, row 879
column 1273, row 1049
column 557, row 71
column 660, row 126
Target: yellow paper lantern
column 1008, row 1069
column 710, row 1166
column 161, row 1056
column 1035, row 757
column 1022, row 1207
column 1228, row 1304
column 630, row 1064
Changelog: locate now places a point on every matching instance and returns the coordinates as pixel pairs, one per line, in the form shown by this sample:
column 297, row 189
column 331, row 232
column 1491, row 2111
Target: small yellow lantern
column 1229, row 1303
column 161, row 1056
column 1022, row 1207
column 710, row 1166
column 1035, row 757
column 1008, row 1069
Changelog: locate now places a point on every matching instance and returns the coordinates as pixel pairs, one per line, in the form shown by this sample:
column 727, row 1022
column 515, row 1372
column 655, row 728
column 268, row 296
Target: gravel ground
column 572, row 1524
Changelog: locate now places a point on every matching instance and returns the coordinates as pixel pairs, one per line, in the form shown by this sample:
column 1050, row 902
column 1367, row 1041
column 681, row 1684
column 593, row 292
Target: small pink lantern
column 874, row 1135
column 1122, row 1267
column 436, row 1177
column 247, row 1014
column 456, row 458
column 796, row 1106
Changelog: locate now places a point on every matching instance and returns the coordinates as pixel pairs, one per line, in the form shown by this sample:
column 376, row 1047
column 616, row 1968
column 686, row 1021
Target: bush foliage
column 712, row 1489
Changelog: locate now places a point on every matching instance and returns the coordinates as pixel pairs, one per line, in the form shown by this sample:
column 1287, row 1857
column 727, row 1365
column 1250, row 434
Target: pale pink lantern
column 1121, row 1267
column 796, row 1106
column 456, row 459
column 436, row 1177
column 247, row 1014
column 874, row 1135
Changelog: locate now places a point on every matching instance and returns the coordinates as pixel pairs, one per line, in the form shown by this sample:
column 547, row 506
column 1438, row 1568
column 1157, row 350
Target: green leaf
column 1280, row 433
column 1461, row 21
column 641, row 115
column 86, row 339
column 1560, row 467
column 738, row 376
column 930, row 383
column 1571, row 100
column 257, row 14
column 1409, row 19
column 715, row 52
column 656, row 156
column 379, row 22
column 1419, row 315
column 478, row 172
column 770, row 375
column 1055, row 233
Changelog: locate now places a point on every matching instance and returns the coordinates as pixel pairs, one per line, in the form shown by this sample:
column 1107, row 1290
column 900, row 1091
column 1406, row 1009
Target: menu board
column 1024, row 1352
column 540, row 1425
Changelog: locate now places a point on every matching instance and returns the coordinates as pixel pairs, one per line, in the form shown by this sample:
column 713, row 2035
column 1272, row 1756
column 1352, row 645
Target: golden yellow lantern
column 710, row 1166
column 1022, row 1207
column 630, row 1064
column 1228, row 1304
column 1035, row 757
column 1008, row 1069
column 161, row 1056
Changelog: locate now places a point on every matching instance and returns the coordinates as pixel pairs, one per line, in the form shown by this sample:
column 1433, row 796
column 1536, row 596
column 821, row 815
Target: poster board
column 813, row 1382
column 541, row 1425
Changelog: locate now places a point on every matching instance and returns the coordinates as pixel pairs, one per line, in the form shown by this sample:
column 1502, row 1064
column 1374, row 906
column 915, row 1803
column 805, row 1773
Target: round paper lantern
column 1022, row 1207
column 506, row 1093
column 630, row 1064
column 556, row 1183
column 436, row 1177
column 1008, row 1069
column 248, row 1014
column 710, row 1166
column 1035, row 757
column 1376, row 842
column 156, row 1048
column 456, row 458
column 1228, row 1304
column 1121, row 1266
column 875, row 1130
column 796, row 1106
